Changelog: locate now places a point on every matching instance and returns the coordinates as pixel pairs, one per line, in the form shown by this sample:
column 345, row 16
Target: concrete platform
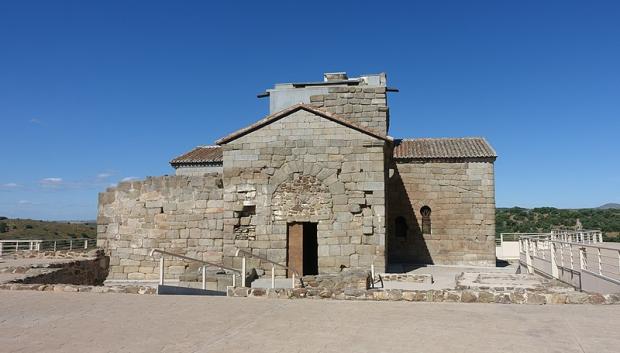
column 88, row 322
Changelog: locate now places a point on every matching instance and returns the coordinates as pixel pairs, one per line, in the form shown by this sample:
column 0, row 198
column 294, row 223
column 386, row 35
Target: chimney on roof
column 335, row 76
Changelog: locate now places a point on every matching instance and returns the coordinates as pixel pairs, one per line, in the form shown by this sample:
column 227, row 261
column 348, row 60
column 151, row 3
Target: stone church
column 317, row 185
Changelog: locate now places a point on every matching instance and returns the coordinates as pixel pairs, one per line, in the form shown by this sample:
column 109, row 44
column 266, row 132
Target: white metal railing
column 205, row 264
column 576, row 251
column 273, row 268
column 9, row 246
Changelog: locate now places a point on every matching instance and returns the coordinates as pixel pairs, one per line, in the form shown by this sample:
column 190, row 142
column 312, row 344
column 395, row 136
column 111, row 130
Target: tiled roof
column 200, row 155
column 441, row 148
column 281, row 114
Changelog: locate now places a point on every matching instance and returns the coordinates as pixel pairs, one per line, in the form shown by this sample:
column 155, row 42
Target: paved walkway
column 86, row 322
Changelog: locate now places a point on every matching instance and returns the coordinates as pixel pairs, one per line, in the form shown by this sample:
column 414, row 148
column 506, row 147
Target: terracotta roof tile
column 439, row 148
column 200, row 155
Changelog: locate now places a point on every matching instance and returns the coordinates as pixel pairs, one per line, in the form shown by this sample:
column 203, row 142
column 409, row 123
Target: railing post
column 204, row 277
column 17, row 246
column 243, row 271
column 85, row 244
column 1, row 247
column 161, row 270
column 583, row 264
column 30, row 245
column 528, row 256
column 600, row 237
column 293, row 279
column 570, row 248
column 273, row 276
column 54, row 245
column 600, row 265
column 39, row 246
column 372, row 270
column 70, row 244
column 554, row 265
column 234, row 284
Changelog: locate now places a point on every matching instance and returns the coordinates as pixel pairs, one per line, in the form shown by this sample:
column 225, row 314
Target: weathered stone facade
column 364, row 106
column 175, row 213
column 461, row 197
column 305, row 168
column 323, row 159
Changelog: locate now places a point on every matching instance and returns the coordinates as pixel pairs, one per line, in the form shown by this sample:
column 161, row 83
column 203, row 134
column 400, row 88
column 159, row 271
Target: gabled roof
column 200, row 155
column 443, row 148
column 283, row 113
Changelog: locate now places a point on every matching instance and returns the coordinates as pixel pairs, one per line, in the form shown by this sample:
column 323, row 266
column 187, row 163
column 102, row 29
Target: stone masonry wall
column 305, row 168
column 461, row 195
column 180, row 214
column 366, row 106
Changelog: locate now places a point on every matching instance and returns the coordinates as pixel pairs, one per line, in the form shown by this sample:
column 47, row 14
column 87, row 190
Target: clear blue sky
column 92, row 93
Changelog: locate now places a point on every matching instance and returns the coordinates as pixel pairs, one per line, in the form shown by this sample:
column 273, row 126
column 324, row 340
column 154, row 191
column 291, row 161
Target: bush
column 4, row 227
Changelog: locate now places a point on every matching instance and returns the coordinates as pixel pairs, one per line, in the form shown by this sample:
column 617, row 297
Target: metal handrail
column 203, row 262
column 579, row 240
column 273, row 265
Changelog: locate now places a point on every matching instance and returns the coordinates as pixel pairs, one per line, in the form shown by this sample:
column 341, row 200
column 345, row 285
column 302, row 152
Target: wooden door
column 296, row 248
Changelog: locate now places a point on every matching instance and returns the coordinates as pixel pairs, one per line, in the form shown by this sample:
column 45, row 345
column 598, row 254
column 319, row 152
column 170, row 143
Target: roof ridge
column 289, row 110
column 439, row 138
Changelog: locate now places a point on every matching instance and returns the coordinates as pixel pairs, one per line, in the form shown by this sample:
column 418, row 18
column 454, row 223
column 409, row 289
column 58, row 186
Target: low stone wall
column 128, row 289
column 435, row 296
column 88, row 269
column 346, row 280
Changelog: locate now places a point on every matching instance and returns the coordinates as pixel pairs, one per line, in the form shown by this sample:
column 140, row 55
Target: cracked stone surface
column 88, row 322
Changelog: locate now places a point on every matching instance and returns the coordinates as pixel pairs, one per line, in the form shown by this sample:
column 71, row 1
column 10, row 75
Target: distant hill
column 34, row 229
column 522, row 220
column 610, row 205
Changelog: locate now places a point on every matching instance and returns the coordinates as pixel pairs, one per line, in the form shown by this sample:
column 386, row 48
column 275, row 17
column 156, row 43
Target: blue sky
column 92, row 93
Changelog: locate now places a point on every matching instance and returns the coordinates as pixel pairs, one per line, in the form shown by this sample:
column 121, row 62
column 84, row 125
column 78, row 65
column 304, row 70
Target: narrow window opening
column 425, row 211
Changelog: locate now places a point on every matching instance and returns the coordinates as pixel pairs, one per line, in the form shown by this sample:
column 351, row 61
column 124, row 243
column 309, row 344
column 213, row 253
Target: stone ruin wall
column 366, row 106
column 181, row 214
column 461, row 195
column 305, row 168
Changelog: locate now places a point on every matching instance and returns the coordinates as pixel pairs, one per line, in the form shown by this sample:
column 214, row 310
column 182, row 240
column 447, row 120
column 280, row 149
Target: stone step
column 265, row 282
column 176, row 290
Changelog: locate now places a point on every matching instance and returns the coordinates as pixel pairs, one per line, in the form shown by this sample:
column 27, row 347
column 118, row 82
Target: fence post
column 1, row 247
column 600, row 265
column 54, row 245
column 570, row 248
column 204, row 277
column 273, row 276
column 583, row 264
column 161, row 270
column 528, row 256
column 243, row 271
column 17, row 246
column 70, row 244
column 554, row 265
column 85, row 244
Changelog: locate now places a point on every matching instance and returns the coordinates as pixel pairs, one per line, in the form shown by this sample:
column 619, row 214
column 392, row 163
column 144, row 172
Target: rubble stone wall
column 461, row 196
column 305, row 168
column 181, row 214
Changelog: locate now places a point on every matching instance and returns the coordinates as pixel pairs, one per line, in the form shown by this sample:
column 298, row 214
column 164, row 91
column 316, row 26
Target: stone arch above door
column 303, row 192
